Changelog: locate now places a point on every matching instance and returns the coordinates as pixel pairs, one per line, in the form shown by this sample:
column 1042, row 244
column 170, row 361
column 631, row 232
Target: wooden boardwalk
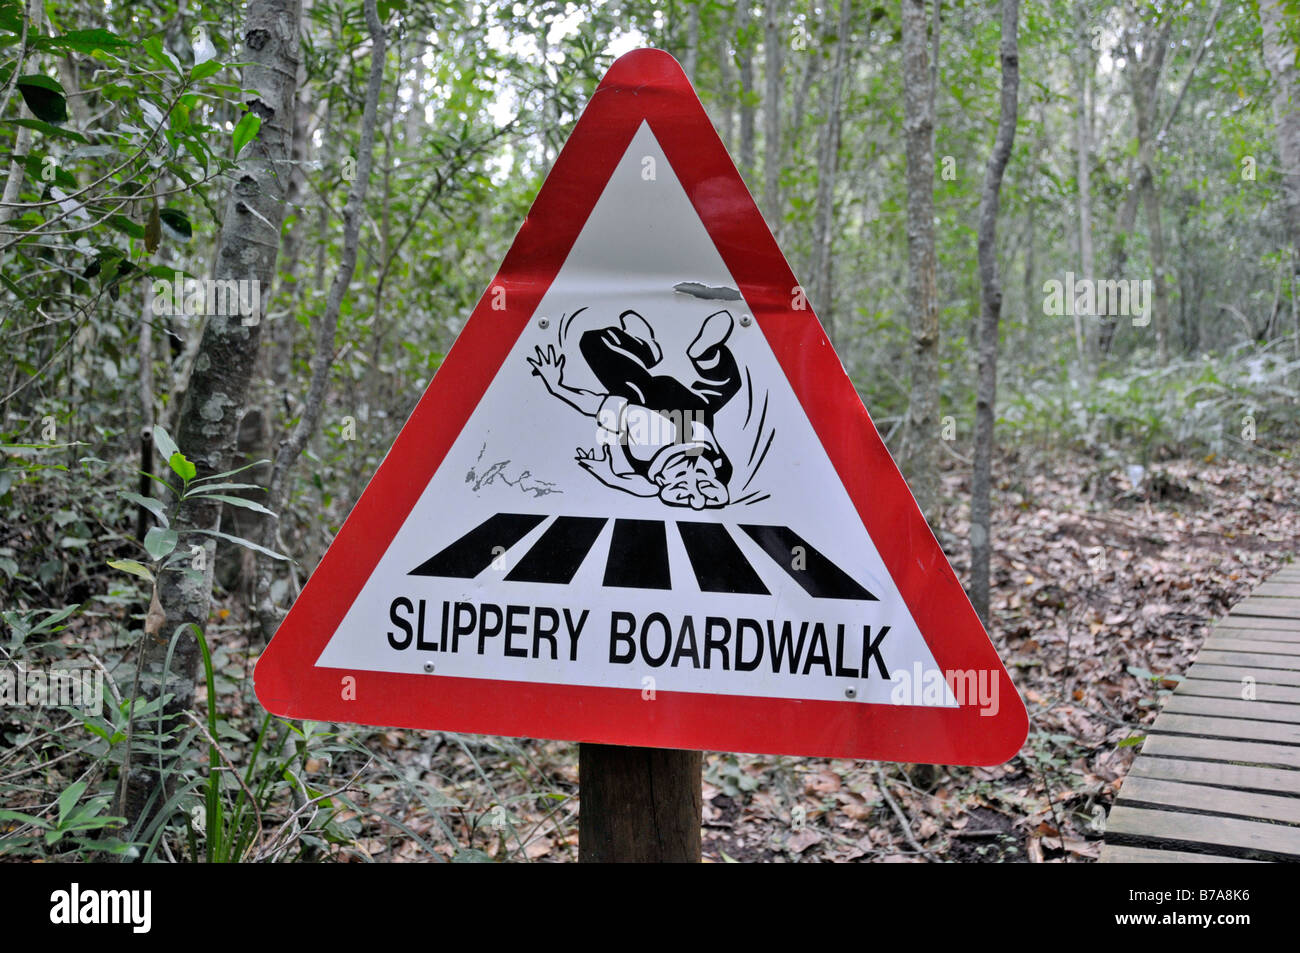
column 1218, row 779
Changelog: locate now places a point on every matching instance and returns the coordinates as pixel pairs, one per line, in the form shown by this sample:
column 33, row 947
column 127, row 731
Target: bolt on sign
column 641, row 503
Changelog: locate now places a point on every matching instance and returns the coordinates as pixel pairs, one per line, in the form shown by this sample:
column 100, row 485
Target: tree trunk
column 991, row 313
column 1143, row 106
column 1160, row 298
column 23, row 140
column 1083, row 75
column 1143, row 74
column 323, row 359
column 745, row 59
column 1032, row 304
column 690, row 62
column 827, row 168
column 922, row 292
column 1280, row 58
column 726, row 77
column 772, row 56
column 144, row 355
column 250, row 237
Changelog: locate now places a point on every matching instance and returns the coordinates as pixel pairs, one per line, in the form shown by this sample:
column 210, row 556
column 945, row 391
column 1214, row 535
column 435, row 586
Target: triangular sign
column 641, row 502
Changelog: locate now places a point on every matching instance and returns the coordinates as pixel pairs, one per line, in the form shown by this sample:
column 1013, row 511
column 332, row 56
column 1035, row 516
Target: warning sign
column 641, row 502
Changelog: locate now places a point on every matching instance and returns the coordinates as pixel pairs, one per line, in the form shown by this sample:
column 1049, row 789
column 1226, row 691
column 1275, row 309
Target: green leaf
column 54, row 618
column 245, row 130
column 44, row 97
column 68, row 798
column 178, row 223
column 126, row 226
column 182, row 466
column 6, row 815
column 204, row 70
column 163, row 441
column 200, row 486
column 235, row 501
column 246, row 543
column 153, row 230
column 133, row 567
column 218, row 476
column 46, row 129
column 159, row 542
column 153, row 45
column 471, row 855
column 179, row 120
column 1132, row 740
column 83, row 41
column 156, row 507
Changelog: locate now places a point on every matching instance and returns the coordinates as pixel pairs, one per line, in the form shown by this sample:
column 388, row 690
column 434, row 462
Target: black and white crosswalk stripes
column 638, row 555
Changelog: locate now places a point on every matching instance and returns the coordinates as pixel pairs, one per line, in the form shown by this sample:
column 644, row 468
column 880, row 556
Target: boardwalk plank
column 1263, row 693
column 1223, row 643
column 1198, row 797
column 1251, row 659
column 1278, row 590
column 1116, row 854
column 1219, row 771
column 1215, row 749
column 1266, row 608
column 1186, row 704
column 1271, row 839
column 1246, row 777
column 1235, row 673
column 1251, row 622
column 1204, row 726
column 1225, row 630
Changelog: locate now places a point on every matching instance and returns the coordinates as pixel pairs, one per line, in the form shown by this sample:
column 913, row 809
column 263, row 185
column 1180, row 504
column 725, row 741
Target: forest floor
column 1103, row 593
column 1102, row 590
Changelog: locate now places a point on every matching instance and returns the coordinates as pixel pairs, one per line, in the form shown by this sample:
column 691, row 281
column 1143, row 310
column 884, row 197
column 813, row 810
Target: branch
column 1200, row 52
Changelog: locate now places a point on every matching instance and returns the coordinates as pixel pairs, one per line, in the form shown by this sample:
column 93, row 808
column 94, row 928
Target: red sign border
column 648, row 85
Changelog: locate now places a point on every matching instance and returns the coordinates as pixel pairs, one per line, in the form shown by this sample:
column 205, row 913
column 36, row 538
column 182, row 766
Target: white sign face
column 640, row 496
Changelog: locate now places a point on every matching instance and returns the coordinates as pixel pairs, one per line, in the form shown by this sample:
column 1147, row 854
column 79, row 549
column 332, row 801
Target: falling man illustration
column 655, row 433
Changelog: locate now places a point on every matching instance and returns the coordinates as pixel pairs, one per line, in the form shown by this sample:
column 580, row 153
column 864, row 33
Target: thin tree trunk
column 745, row 58
column 727, row 126
column 1031, row 305
column 692, row 58
column 144, row 355
column 772, row 56
column 827, row 168
column 218, row 386
column 812, row 67
column 279, row 359
column 1143, row 74
column 1083, row 75
column 922, row 292
column 1280, row 58
column 1143, row 107
column 934, row 72
column 323, row 359
column 1144, row 82
column 1160, row 298
column 35, row 24
column 991, row 313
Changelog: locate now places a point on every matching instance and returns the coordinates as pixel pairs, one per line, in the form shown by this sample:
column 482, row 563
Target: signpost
column 641, row 504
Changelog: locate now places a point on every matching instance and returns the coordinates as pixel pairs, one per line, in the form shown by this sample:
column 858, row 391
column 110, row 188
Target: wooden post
column 639, row 805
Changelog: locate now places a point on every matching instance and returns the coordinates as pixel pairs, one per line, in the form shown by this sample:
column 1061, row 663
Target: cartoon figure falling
column 655, row 432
